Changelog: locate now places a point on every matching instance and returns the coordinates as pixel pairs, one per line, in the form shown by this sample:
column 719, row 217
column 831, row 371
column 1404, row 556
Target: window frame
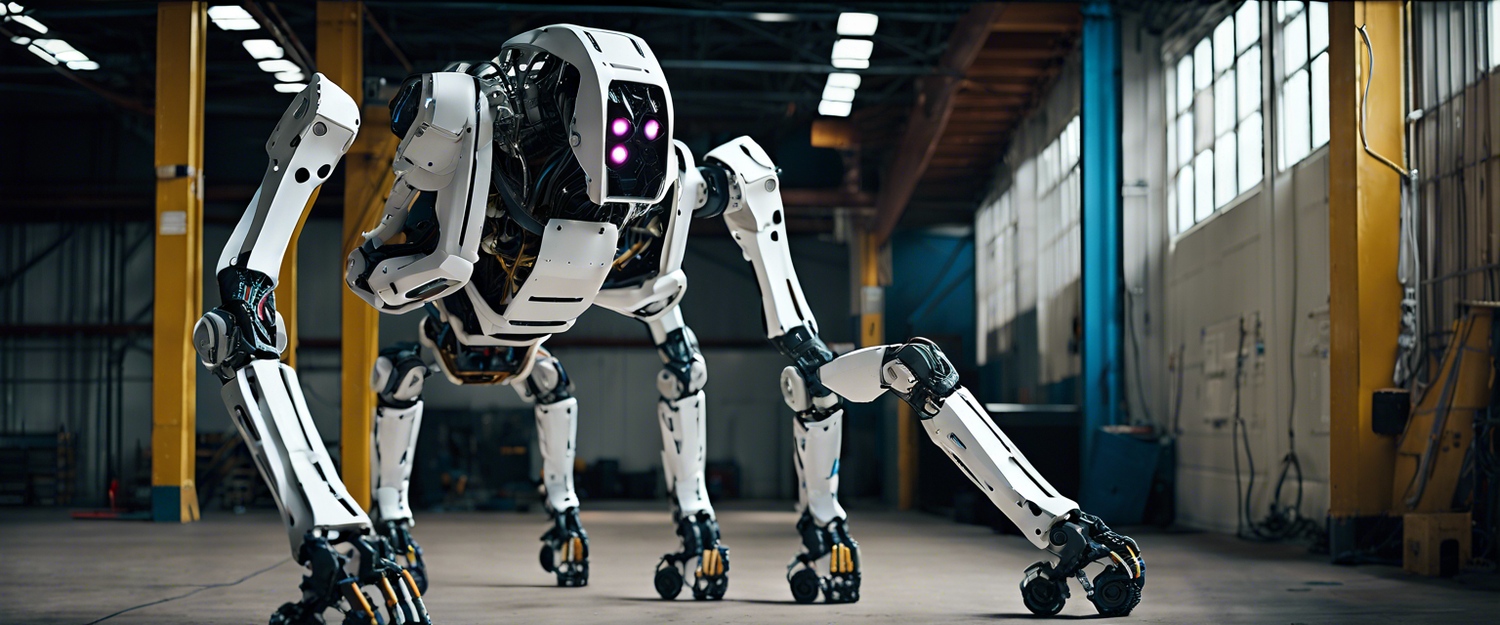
column 1189, row 47
column 1285, row 74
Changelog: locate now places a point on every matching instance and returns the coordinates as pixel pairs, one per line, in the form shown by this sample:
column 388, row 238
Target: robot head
column 589, row 131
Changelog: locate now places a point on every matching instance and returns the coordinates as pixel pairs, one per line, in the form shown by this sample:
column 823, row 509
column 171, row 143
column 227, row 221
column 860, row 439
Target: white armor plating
column 684, row 441
column 574, row 260
column 817, row 461
column 447, row 150
column 604, row 57
column 756, row 220
column 265, row 402
column 963, row 430
column 311, row 137
column 393, row 451
column 557, row 432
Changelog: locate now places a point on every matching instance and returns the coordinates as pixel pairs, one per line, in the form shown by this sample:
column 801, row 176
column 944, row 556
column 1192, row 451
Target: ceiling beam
column 929, row 116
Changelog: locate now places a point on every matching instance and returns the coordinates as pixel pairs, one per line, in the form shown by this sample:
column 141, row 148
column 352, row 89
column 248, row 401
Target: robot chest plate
column 571, row 265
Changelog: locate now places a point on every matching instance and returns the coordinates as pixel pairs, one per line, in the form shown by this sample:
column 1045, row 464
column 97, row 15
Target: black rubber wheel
column 668, row 582
column 1115, row 593
column 805, row 586
column 1044, row 597
column 546, row 557
column 711, row 588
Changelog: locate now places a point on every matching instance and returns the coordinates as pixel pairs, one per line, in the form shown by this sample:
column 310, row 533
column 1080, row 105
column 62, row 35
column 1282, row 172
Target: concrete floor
column 918, row 568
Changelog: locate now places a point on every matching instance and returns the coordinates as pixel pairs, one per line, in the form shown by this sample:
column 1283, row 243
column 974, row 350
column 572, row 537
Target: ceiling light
column 16, row 8
column 773, row 17
column 834, row 109
column 41, row 53
column 291, row 77
column 851, row 64
column 838, row 94
column 54, row 46
column 83, row 65
column 289, row 87
column 858, row 24
column 31, row 22
column 230, row 17
column 71, row 56
column 857, row 49
column 842, row 79
column 20, row 40
column 262, row 49
column 279, row 65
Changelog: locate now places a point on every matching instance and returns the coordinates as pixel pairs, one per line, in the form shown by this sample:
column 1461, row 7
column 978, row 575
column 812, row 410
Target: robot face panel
column 615, row 111
column 637, row 141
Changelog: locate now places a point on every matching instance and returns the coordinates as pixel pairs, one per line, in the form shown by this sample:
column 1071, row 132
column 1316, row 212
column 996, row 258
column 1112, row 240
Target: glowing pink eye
column 652, row 129
column 620, row 126
column 618, row 155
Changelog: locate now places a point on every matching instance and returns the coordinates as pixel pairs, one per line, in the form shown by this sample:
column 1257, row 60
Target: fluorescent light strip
column 290, row 77
column 289, row 87
column 843, row 79
column 41, row 53
column 262, row 49
column 278, row 65
column 230, row 17
column 858, row 24
column 856, row 49
column 838, row 94
column 834, row 109
column 30, row 22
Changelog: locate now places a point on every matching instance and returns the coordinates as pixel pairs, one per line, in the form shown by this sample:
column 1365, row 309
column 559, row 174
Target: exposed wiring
column 191, row 592
column 1364, row 106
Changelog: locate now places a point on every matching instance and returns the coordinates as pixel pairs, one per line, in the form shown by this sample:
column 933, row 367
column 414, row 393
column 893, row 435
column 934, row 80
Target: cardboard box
column 1436, row 543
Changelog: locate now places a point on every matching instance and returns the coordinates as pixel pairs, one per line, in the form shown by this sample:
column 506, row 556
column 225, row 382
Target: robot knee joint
column 684, row 371
column 398, row 375
column 548, row 383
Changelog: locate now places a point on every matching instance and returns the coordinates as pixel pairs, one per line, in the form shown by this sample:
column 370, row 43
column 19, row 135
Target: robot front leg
column 681, row 413
column 921, row 375
column 397, row 382
column 823, row 526
column 329, row 534
column 565, row 545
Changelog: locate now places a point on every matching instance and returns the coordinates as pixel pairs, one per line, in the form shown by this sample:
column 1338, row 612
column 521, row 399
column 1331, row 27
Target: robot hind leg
column 397, row 380
column 565, row 545
column 1050, row 521
column 824, row 526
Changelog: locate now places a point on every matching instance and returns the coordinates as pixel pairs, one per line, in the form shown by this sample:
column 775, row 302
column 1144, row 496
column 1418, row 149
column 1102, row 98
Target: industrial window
column 1214, row 96
column 1304, row 82
column 1058, row 199
column 995, row 232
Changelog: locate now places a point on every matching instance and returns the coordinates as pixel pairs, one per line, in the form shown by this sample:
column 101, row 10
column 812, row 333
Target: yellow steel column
column 286, row 286
column 181, row 37
column 872, row 333
column 340, row 57
column 1363, row 228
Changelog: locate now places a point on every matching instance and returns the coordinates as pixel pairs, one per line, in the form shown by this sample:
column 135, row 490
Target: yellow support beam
column 1364, row 198
column 286, row 287
column 181, row 39
column 367, row 172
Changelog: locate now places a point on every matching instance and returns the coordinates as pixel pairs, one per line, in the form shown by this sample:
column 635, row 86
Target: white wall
column 1263, row 258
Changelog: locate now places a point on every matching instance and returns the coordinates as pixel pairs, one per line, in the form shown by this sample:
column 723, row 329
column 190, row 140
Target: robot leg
column 565, row 546
column 824, row 526
column 681, row 414
column 397, row 382
column 1052, row 522
column 266, row 404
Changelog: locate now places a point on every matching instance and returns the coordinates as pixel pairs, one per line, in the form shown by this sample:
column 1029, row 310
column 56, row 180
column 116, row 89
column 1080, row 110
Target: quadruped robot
column 529, row 188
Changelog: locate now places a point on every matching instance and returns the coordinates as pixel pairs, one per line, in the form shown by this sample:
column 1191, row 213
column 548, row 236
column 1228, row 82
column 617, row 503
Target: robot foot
column 841, row 585
column 330, row 585
column 1079, row 542
column 398, row 534
column 700, row 541
column 565, row 549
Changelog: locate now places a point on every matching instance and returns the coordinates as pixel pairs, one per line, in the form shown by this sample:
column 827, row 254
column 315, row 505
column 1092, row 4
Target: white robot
column 529, row 188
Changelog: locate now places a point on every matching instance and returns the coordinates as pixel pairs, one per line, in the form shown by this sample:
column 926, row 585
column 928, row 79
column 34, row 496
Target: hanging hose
column 1408, row 267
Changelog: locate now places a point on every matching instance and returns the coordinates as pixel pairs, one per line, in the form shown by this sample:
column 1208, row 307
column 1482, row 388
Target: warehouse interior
column 1225, row 272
